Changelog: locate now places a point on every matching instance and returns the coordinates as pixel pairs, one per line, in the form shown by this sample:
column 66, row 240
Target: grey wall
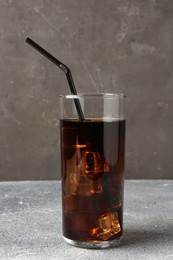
column 110, row 46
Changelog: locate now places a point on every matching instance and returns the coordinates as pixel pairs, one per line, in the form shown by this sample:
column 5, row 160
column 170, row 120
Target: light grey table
column 30, row 222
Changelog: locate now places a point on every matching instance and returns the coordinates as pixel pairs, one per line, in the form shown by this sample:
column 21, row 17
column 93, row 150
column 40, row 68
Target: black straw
column 66, row 71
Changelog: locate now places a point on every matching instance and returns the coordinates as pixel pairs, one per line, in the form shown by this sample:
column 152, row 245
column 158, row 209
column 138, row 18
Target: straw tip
column 27, row 39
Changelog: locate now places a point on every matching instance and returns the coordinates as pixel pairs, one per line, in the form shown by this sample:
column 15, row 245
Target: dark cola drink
column 92, row 154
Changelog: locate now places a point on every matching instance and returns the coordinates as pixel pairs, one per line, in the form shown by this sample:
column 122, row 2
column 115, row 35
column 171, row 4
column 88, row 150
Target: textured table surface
column 30, row 222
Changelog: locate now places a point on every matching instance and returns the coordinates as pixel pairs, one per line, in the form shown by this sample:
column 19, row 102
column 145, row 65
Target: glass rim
column 93, row 95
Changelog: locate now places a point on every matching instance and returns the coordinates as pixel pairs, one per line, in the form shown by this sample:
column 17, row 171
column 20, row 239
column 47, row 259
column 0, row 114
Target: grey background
column 110, row 46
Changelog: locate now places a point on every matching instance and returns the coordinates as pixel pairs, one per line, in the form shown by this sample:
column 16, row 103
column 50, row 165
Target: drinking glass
column 92, row 169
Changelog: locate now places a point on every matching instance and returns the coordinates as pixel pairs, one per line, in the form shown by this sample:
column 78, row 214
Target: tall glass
column 92, row 168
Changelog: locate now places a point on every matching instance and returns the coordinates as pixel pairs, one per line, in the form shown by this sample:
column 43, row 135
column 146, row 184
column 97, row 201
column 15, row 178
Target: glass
column 92, row 168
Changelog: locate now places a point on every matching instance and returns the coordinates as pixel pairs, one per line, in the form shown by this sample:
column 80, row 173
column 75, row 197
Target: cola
column 92, row 161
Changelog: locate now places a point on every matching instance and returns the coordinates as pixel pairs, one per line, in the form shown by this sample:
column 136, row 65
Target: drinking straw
column 66, row 71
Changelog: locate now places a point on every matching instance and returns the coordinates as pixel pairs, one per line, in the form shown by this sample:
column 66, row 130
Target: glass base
column 97, row 244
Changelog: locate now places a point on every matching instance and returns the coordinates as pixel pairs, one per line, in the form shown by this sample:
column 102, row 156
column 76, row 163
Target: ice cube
column 93, row 164
column 85, row 178
column 83, row 172
column 107, row 225
column 81, row 185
